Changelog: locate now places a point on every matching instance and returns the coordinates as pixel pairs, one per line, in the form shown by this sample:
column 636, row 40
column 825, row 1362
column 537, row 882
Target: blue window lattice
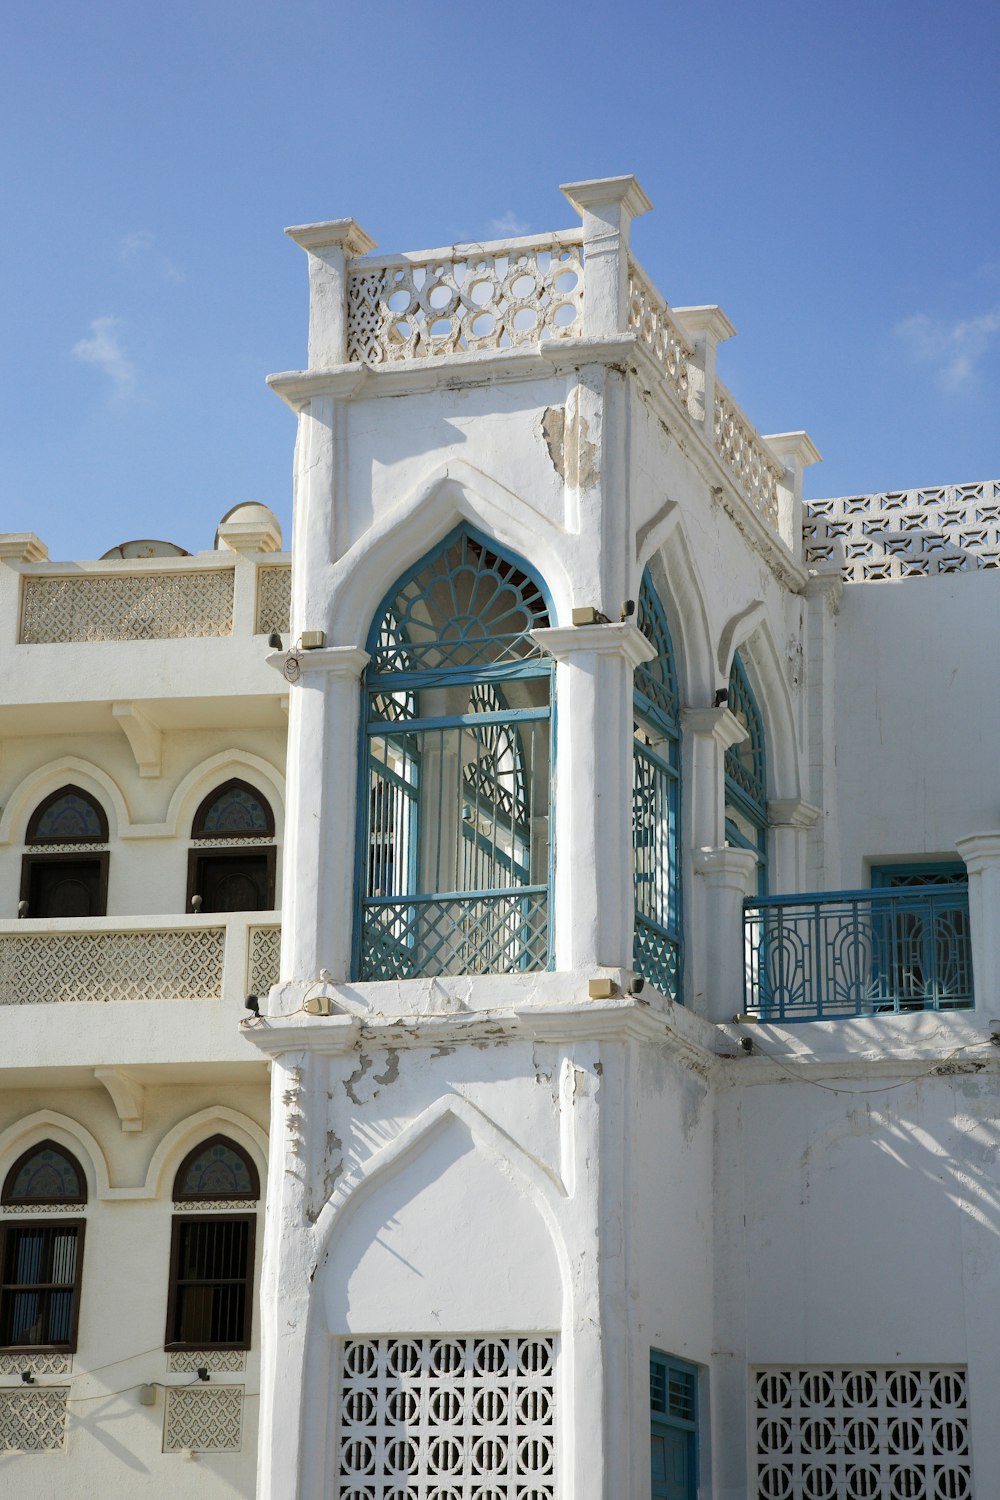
column 454, row 845
column 68, row 817
column 746, row 775
column 656, row 804
column 45, row 1175
column 217, row 1169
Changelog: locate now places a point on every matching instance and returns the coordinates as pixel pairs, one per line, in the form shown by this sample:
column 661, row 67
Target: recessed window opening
column 232, row 864
column 64, row 872
column 746, row 775
column 454, row 850
column 212, row 1253
column 41, row 1258
column 920, row 939
column 673, row 1410
column 656, row 792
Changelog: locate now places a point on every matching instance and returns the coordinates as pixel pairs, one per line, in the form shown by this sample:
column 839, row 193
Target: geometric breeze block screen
column 447, row 1418
column 861, row 1432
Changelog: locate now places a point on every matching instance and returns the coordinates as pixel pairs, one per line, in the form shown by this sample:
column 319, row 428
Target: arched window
column 41, row 1257
column 231, row 866
column 746, row 775
column 64, row 872
column 453, row 858
column 656, row 795
column 209, row 1298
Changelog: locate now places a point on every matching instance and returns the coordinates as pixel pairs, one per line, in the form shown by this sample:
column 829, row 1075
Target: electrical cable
column 883, row 1088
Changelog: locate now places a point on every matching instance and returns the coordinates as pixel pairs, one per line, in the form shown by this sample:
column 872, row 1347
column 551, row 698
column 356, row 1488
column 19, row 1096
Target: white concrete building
column 633, row 1090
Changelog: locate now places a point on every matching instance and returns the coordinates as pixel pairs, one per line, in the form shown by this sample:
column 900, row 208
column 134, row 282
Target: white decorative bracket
column 126, row 1095
column 144, row 737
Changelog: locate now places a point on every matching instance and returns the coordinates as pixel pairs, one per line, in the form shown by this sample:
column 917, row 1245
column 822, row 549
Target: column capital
column 979, row 850
column 345, row 235
column 707, row 324
column 332, row 661
column 22, row 546
column 613, row 202
column 727, row 868
column 565, row 642
column 721, row 724
column 792, row 812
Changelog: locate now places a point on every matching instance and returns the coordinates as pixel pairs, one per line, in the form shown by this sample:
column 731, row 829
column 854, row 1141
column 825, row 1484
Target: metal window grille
column 746, row 775
column 656, row 791
column 861, row 1432
column 210, row 1283
column 40, row 1287
column 454, row 850
column 447, row 1418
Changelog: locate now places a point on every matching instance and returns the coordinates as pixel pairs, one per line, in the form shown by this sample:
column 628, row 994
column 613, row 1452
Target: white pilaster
column 330, row 246
column 593, row 898
column 790, row 820
column 796, row 451
column 320, row 816
column 981, row 853
column 728, row 876
column 707, row 327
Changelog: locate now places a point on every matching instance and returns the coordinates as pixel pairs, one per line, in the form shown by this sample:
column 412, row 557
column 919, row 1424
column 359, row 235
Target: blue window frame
column 746, row 775
column 657, row 948
column 454, row 850
column 673, row 1421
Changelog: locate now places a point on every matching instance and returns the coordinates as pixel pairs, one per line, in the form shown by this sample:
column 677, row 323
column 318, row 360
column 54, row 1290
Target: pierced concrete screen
column 33, row 1421
column 466, row 1418
column 861, row 1433
column 203, row 1420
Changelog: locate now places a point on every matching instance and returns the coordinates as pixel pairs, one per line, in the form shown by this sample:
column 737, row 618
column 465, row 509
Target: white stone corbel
column 145, row 738
column 736, row 630
column 127, row 1096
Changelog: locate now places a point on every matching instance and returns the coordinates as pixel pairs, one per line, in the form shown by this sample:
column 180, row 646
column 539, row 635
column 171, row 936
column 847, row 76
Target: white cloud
column 509, row 224
column 955, row 348
column 104, row 350
column 141, row 242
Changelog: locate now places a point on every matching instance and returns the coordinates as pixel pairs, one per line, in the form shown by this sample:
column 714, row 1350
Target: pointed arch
column 545, row 1186
column 209, row 775
column 450, row 494
column 66, row 771
column 676, row 575
column 750, row 635
column 192, row 1131
column 48, row 1124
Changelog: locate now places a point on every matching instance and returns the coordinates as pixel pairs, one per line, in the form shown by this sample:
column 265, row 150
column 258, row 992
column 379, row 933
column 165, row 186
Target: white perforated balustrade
column 865, row 1432
column 447, row 1418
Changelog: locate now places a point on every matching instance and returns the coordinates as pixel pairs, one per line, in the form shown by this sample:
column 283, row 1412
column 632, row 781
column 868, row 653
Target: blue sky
column 827, row 172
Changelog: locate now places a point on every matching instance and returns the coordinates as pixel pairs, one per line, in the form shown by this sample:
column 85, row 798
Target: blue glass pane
column 236, row 811
column 656, row 680
column 46, row 1177
column 69, row 817
column 216, row 1172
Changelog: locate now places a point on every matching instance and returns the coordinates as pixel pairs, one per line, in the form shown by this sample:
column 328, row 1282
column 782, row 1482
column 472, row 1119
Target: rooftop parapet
column 515, row 296
column 898, row 534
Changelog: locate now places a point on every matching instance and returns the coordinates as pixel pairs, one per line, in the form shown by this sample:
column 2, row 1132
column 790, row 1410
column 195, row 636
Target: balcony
column 857, row 953
column 129, row 960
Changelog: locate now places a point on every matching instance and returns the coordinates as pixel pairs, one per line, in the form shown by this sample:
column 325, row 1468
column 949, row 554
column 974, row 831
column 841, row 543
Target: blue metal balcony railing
column 857, row 953
column 460, row 932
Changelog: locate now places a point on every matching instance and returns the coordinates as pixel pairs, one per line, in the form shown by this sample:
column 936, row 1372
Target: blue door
column 673, row 1428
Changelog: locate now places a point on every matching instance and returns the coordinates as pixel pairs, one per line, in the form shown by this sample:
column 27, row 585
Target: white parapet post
column 330, row 246
column 796, row 451
column 981, row 853
column 707, row 327
column 593, row 898
column 607, row 206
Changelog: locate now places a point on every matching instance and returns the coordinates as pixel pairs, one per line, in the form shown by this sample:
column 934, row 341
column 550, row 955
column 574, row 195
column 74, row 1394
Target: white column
column 318, row 901
column 593, row 905
column 728, row 876
column 706, row 734
column 707, row 327
column 330, row 247
column 981, row 853
column 607, row 206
